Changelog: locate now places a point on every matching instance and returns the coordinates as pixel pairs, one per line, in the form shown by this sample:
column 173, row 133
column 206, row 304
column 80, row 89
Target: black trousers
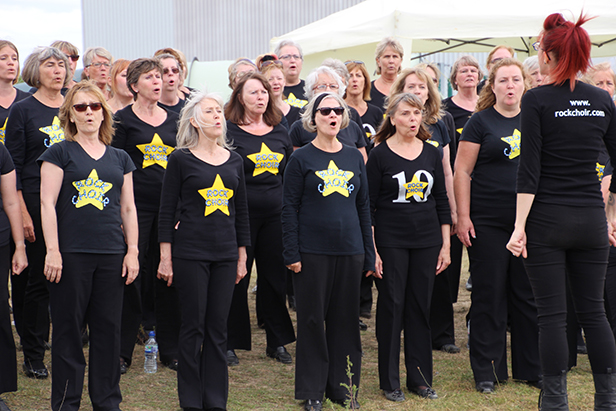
column 501, row 292
column 569, row 241
column 610, row 289
column 405, row 292
column 89, row 292
column 35, row 328
column 167, row 304
column 266, row 250
column 205, row 289
column 18, row 293
column 327, row 297
column 8, row 355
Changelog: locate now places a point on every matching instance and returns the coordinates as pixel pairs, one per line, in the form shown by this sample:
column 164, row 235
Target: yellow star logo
column 335, row 180
column 600, row 170
column 434, row 143
column 91, row 191
column 216, row 197
column 265, row 160
column 3, row 131
column 459, row 130
column 296, row 102
column 155, row 152
column 514, row 144
column 415, row 187
column 54, row 131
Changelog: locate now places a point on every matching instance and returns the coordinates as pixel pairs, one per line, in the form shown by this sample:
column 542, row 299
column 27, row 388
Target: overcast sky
column 32, row 23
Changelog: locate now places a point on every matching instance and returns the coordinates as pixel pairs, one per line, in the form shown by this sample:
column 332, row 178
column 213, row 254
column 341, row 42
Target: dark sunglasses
column 74, row 57
column 80, row 108
column 327, row 110
column 174, row 70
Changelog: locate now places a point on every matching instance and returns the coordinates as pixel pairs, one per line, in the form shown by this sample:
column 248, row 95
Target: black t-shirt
column 377, row 98
column 451, row 132
column 177, row 108
column 371, row 120
column 88, row 205
column 4, row 112
column 265, row 158
column 293, row 115
column 32, row 128
column 440, row 136
column 352, row 135
column 408, row 198
column 6, row 166
column 562, row 132
column 296, row 95
column 460, row 116
column 604, row 165
column 494, row 176
column 213, row 217
column 326, row 209
column 148, row 147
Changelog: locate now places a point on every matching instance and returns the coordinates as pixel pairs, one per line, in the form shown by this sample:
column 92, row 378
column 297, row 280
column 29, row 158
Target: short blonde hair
column 466, row 60
column 311, row 109
column 383, row 44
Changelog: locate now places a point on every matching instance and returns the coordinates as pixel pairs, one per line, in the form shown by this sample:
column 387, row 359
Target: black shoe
column 232, row 358
column 280, row 354
column 123, row 366
column 3, row 406
column 362, row 326
column 424, row 392
column 485, row 387
column 396, row 395
column 450, row 348
column 353, row 405
column 172, row 365
column 365, row 314
column 313, row 405
column 36, row 373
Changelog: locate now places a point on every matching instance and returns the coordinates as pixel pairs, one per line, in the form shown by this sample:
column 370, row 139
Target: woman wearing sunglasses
column 33, row 126
column 97, row 62
column 327, row 244
column 170, row 93
column 560, row 226
column 147, row 133
column 90, row 227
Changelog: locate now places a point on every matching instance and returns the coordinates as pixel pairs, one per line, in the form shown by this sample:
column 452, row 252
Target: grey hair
column 188, row 135
column 339, row 67
column 307, row 115
column 31, row 74
column 285, row 43
column 313, row 77
column 531, row 64
column 88, row 56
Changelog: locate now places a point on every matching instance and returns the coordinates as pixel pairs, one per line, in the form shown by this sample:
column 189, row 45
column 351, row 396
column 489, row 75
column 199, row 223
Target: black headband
column 317, row 101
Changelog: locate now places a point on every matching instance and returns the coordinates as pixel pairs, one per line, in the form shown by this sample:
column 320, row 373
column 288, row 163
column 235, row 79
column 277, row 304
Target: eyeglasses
column 324, row 87
column 73, row 57
column 98, row 65
column 173, row 70
column 346, row 63
column 537, row 47
column 290, row 56
column 80, row 108
column 269, row 63
column 327, row 110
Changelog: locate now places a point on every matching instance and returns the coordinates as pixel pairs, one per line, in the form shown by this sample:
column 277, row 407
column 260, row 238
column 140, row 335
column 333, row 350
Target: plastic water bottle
column 151, row 352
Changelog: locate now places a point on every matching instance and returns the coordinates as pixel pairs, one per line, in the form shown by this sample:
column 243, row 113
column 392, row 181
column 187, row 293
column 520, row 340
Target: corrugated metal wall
column 206, row 29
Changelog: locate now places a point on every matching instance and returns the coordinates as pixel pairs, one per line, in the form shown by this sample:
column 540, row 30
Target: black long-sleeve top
column 213, row 215
column 326, row 209
column 561, row 141
column 149, row 148
column 494, row 176
column 265, row 158
column 32, row 127
column 408, row 199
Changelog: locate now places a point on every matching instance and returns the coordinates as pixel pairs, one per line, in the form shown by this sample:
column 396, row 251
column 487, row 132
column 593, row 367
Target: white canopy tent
column 428, row 27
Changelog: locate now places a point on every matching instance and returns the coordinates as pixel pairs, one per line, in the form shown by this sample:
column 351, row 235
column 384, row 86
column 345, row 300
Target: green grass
column 259, row 383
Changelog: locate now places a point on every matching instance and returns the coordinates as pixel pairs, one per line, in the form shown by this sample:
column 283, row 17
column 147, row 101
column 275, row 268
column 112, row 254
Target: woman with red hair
column 560, row 226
